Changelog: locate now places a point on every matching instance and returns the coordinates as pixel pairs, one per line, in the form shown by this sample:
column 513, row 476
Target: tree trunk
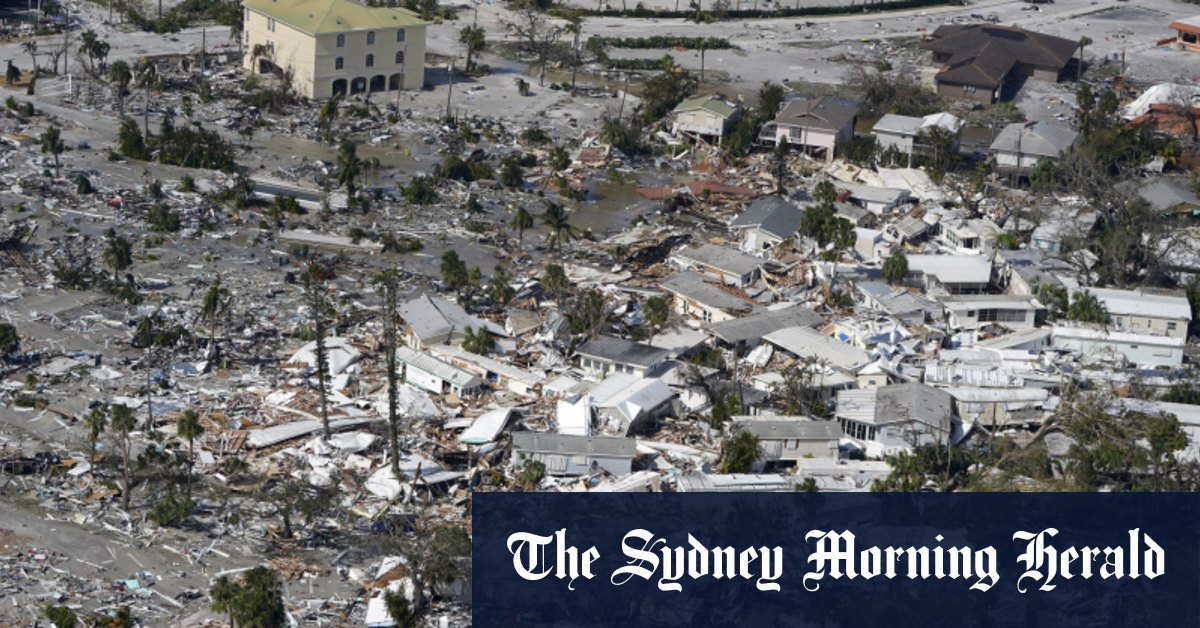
column 322, row 365
column 127, row 493
column 191, row 465
column 575, row 66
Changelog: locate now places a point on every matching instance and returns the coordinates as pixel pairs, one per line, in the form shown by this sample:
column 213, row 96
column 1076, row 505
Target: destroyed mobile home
column 279, row 294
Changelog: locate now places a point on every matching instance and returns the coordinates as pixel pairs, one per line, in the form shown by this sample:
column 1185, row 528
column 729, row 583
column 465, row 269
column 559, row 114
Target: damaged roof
column 622, row 351
column 693, row 286
column 772, row 214
column 431, row 318
column 755, row 326
column 568, row 444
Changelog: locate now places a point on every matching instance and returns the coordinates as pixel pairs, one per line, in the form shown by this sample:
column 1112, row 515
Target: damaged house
column 766, row 223
column 602, row 355
column 785, row 440
column 432, row 321
column 885, row 421
column 565, row 454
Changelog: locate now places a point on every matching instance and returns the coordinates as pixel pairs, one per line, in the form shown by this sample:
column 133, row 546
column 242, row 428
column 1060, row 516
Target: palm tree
column 739, row 452
column 561, row 230
column 122, row 424
column 1084, row 42
column 328, row 115
column 315, row 298
column 575, row 28
column 95, row 422
column 216, row 304
column 120, row 76
column 474, row 38
column 224, row 594
column 389, row 283
column 188, row 426
column 895, row 267
column 656, row 311
column 349, row 166
column 118, row 253
column 1087, row 308
column 521, row 221
column 52, row 144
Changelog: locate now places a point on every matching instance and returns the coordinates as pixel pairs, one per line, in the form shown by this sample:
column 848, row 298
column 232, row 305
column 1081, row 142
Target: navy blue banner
column 818, row 559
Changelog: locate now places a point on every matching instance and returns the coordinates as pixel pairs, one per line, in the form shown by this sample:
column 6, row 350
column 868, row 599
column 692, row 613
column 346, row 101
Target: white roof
column 998, row 395
column 898, row 124
column 486, row 363
column 1161, row 93
column 960, row 302
column 857, row 404
column 1099, row 333
column 487, row 427
column 806, row 342
column 951, row 269
column 612, row 386
column 338, row 351
column 436, row 367
column 643, row 396
column 1144, row 303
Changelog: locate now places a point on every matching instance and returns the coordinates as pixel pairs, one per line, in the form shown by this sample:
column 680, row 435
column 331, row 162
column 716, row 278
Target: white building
column 1147, row 310
column 978, row 310
column 900, row 132
column 1101, row 343
column 431, row 374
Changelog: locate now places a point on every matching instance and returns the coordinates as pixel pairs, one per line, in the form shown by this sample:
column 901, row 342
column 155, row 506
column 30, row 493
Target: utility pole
column 621, row 110
column 67, row 41
column 203, row 49
column 450, row 90
column 702, row 50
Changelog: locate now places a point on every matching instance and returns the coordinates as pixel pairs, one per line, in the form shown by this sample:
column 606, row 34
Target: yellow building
column 335, row 47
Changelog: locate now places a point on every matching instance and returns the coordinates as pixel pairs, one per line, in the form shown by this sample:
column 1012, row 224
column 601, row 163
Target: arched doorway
column 358, row 85
column 339, row 87
column 378, row 82
column 395, row 81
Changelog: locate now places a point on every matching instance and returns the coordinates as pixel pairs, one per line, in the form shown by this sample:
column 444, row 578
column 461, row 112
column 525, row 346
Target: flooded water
column 611, row 207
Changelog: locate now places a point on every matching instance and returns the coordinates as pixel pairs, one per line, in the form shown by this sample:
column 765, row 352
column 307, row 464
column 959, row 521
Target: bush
column 420, row 191
column 161, row 218
column 172, row 511
column 456, row 168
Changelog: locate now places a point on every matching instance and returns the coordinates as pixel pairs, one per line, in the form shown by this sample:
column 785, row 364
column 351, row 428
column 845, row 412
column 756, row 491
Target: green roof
column 711, row 104
column 319, row 17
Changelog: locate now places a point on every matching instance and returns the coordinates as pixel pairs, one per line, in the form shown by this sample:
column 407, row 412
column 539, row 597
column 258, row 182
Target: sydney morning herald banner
column 818, row 559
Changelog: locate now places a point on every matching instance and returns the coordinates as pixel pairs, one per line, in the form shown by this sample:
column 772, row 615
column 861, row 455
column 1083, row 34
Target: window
column 1171, row 326
column 271, row 24
column 1002, row 315
column 399, row 57
column 341, row 41
column 970, row 89
column 400, row 35
column 370, row 61
column 339, row 63
column 370, row 37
